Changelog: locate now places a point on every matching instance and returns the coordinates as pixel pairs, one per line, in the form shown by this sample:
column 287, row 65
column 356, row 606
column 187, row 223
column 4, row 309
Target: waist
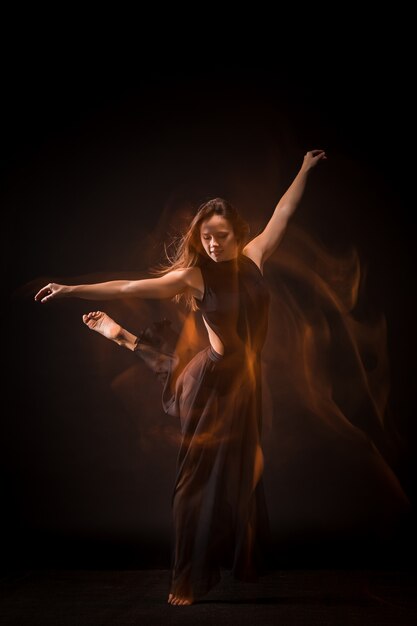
column 214, row 356
column 232, row 353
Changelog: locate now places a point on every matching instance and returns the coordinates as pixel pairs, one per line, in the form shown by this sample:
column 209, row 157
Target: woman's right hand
column 50, row 291
column 312, row 157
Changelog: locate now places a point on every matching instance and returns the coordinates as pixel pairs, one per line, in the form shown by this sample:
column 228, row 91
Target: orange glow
column 322, row 365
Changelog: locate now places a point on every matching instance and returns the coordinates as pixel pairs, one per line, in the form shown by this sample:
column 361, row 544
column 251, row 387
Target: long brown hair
column 189, row 247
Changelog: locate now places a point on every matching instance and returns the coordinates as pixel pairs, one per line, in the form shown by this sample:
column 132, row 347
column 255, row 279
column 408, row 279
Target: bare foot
column 103, row 324
column 178, row 600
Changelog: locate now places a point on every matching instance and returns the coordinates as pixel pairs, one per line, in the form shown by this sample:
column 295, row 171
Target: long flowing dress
column 220, row 516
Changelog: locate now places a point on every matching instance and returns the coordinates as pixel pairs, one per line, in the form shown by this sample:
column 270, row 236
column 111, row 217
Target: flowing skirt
column 220, row 517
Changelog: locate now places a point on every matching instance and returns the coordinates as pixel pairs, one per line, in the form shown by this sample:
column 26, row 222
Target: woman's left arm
column 267, row 241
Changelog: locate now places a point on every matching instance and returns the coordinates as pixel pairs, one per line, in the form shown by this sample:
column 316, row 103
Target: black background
column 98, row 149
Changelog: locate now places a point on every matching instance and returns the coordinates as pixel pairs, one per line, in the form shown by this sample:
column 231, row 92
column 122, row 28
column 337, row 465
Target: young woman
column 219, row 509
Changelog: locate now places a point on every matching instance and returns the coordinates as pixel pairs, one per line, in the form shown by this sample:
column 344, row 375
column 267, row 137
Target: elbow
column 285, row 212
column 126, row 289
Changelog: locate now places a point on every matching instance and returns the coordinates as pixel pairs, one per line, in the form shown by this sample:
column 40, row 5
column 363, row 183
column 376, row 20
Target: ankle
column 125, row 339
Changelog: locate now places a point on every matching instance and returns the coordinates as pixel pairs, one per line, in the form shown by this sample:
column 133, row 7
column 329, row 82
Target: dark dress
column 220, row 517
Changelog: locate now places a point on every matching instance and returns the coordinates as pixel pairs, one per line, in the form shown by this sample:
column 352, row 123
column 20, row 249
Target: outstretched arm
column 165, row 286
column 267, row 241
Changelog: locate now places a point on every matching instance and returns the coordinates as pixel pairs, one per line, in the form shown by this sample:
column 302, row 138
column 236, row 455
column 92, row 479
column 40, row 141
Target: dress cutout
column 220, row 517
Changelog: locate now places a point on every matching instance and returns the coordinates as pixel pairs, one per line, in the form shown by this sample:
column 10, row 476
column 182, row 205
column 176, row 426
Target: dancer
column 219, row 509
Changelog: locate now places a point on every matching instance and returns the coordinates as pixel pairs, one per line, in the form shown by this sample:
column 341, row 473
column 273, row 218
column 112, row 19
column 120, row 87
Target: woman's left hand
column 312, row 158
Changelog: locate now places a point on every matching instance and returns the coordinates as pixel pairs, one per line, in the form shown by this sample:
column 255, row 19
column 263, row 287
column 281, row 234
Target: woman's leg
column 153, row 345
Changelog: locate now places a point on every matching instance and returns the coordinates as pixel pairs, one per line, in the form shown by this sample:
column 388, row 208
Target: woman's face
column 218, row 238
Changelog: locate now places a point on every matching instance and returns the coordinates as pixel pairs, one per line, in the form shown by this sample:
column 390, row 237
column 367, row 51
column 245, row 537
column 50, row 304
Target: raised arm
column 165, row 286
column 267, row 241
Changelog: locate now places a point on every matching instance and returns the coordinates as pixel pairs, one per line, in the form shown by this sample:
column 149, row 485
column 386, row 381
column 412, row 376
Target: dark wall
column 96, row 162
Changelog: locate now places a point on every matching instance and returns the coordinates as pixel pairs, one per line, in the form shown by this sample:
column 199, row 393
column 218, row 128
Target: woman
column 219, row 510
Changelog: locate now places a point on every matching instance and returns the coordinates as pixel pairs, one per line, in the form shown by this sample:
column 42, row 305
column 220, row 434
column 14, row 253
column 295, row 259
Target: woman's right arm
column 165, row 286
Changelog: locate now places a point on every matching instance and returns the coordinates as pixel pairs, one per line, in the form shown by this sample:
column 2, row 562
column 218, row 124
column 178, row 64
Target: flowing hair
column 189, row 247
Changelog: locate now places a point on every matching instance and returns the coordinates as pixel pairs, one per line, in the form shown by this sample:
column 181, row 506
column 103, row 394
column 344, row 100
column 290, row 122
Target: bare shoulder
column 185, row 279
column 254, row 252
column 181, row 274
column 190, row 274
column 179, row 279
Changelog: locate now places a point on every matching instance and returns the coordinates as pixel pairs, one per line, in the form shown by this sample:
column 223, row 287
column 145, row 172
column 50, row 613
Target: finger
column 41, row 293
column 46, row 290
column 314, row 153
column 48, row 295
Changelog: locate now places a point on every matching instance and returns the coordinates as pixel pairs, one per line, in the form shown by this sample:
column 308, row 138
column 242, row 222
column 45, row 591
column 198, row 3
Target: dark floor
column 286, row 597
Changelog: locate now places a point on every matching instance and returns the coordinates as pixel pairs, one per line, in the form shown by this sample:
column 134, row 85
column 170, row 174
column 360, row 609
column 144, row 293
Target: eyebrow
column 207, row 232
